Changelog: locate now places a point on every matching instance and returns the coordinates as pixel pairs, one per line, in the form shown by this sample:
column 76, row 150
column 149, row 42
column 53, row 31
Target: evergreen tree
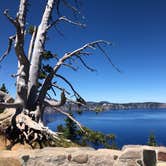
column 152, row 140
column 3, row 88
column 70, row 131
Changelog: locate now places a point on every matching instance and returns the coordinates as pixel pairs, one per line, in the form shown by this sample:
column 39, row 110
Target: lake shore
column 104, row 106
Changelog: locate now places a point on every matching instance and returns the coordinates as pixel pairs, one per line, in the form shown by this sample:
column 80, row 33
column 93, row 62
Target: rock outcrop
column 131, row 155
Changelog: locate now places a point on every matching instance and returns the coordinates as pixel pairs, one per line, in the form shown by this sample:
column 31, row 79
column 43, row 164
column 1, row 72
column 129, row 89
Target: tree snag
column 25, row 122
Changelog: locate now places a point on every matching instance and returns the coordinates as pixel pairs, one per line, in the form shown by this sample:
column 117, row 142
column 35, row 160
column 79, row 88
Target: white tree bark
column 23, row 63
column 31, row 45
column 37, row 52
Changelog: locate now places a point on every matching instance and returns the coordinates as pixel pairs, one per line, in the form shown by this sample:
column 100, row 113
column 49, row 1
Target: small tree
column 90, row 138
column 70, row 129
column 3, row 88
column 152, row 140
column 32, row 95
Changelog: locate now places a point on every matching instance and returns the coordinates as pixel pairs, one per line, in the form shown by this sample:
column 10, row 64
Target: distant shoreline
column 104, row 106
column 126, row 106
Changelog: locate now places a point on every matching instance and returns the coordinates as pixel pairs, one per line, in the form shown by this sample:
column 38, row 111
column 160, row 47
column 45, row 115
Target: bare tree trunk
column 23, row 63
column 37, row 53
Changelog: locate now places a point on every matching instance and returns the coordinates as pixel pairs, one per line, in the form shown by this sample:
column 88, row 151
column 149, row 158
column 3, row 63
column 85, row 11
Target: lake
column 129, row 126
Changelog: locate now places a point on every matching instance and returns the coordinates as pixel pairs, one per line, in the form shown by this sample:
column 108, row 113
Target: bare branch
column 91, row 45
column 15, row 75
column 11, row 38
column 20, row 70
column 70, row 66
column 67, row 56
column 53, row 91
column 77, row 102
column 57, row 2
column 63, row 78
column 85, row 65
column 69, row 116
column 12, row 20
column 54, row 103
column 74, row 9
column 86, row 53
column 10, row 105
column 49, row 96
column 60, row 88
column 64, row 18
column 107, row 56
column 59, row 31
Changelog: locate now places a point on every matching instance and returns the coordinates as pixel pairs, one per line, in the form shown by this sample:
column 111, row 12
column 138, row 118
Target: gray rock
column 82, row 158
column 131, row 154
column 47, row 160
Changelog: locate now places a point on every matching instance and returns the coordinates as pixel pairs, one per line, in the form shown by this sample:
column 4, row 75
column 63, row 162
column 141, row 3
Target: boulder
column 80, row 158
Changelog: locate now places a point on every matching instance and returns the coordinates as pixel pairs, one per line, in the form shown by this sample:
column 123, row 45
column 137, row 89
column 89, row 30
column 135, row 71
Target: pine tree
column 70, row 131
column 3, row 88
column 152, row 140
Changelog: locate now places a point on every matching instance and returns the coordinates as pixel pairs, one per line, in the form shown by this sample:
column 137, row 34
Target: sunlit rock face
column 135, row 155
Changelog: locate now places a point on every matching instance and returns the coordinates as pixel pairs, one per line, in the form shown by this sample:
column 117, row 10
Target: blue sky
column 137, row 29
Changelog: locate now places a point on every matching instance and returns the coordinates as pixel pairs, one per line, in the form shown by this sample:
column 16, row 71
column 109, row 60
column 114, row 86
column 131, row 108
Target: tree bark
column 37, row 53
column 23, row 63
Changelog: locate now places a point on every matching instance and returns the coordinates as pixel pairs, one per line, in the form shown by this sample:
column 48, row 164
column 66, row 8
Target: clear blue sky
column 137, row 29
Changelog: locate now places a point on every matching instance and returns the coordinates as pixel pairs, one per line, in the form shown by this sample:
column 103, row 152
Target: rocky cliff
column 129, row 156
column 100, row 106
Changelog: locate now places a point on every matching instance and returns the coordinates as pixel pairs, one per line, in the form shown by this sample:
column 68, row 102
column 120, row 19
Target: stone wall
column 131, row 155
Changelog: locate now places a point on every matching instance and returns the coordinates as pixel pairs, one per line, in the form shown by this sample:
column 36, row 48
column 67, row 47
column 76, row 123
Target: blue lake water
column 129, row 126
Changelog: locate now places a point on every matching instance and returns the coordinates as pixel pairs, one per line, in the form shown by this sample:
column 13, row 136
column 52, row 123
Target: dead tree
column 25, row 122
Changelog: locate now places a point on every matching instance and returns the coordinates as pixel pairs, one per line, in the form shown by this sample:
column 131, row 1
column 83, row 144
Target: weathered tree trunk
column 23, row 63
column 37, row 53
column 25, row 121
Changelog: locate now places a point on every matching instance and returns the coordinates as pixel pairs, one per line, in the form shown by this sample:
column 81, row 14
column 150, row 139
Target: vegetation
column 98, row 109
column 152, row 140
column 3, row 89
column 70, row 129
column 90, row 138
column 36, row 79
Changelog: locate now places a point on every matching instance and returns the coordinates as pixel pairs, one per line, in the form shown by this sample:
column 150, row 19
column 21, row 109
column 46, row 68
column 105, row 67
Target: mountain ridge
column 105, row 105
